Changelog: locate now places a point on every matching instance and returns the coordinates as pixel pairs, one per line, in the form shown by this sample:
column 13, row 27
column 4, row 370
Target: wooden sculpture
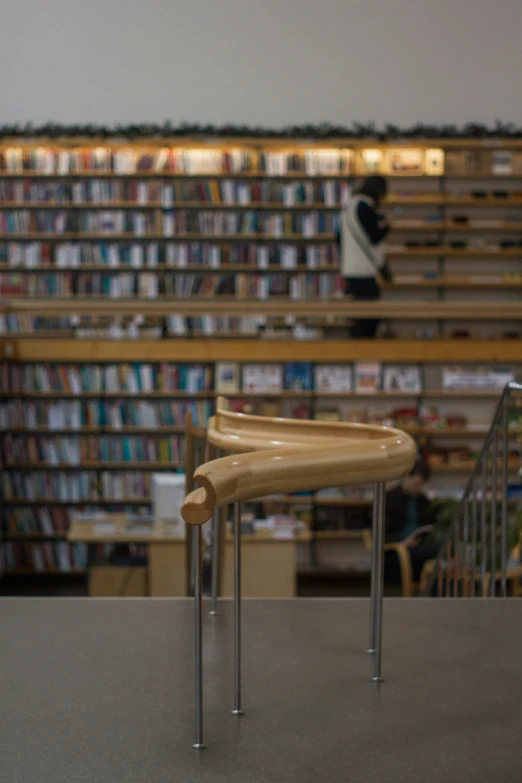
column 276, row 455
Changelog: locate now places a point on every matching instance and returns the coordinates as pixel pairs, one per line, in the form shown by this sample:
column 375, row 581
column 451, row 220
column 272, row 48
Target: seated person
column 410, row 516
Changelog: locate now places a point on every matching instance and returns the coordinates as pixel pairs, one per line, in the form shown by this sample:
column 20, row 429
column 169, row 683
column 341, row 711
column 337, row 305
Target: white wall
column 269, row 62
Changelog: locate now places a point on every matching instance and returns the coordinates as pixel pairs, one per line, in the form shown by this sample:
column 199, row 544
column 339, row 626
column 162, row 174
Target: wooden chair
column 408, row 586
column 282, row 456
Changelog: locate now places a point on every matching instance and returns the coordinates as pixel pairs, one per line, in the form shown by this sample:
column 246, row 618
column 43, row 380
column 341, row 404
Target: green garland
column 323, row 130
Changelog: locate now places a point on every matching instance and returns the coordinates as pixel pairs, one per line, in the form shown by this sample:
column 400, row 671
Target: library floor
column 98, row 691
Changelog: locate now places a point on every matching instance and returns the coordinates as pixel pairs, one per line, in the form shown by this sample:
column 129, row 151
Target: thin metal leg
column 198, row 637
column 503, row 534
column 473, row 539
column 483, row 526
column 375, row 566
column 493, row 537
column 456, row 556
column 215, row 561
column 193, row 557
column 379, row 581
column 465, row 551
column 237, row 612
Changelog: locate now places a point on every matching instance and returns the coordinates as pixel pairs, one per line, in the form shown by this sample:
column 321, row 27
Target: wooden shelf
column 34, row 536
column 89, row 502
column 419, row 200
column 172, row 175
column 225, row 269
column 186, row 205
column 49, row 572
column 450, row 226
column 337, row 534
column 228, row 239
column 127, row 396
column 95, row 466
column 279, row 307
column 435, row 199
column 466, row 283
column 382, row 395
column 447, row 351
column 106, row 430
column 450, row 252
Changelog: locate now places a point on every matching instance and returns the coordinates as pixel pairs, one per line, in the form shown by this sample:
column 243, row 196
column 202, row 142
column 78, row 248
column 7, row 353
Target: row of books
column 175, row 160
column 126, row 378
column 72, row 255
column 48, row 521
column 117, row 327
column 150, row 285
column 227, row 192
column 14, row 284
column 172, row 222
column 312, row 162
column 363, row 377
column 80, row 450
column 116, row 414
column 75, row 487
column 46, row 556
column 330, row 193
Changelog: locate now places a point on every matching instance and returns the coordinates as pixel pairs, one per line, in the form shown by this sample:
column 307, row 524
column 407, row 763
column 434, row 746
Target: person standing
column 363, row 229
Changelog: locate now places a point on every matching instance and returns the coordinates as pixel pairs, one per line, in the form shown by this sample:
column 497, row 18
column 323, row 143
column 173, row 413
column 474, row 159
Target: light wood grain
column 285, row 455
column 280, row 307
column 181, row 350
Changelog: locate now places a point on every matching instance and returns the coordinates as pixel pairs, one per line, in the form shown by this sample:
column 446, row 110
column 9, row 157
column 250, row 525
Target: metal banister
column 467, row 559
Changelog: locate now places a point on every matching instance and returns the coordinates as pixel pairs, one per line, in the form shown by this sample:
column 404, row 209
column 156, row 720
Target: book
column 434, row 162
column 371, row 161
column 402, row 378
column 476, row 378
column 226, row 377
column 502, row 163
column 367, row 377
column 298, row 376
column 333, row 378
column 266, row 378
column 405, row 161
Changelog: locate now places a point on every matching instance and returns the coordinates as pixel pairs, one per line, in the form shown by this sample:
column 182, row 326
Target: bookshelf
column 67, row 408
column 169, row 223
column 184, row 252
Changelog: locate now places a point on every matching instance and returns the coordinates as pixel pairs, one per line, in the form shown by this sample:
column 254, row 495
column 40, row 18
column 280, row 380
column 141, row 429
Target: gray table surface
column 100, row 691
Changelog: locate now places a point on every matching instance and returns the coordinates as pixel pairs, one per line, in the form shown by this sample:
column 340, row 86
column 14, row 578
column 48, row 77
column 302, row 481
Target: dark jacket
column 396, row 505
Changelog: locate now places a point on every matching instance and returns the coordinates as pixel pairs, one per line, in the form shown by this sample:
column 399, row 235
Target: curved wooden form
column 291, row 455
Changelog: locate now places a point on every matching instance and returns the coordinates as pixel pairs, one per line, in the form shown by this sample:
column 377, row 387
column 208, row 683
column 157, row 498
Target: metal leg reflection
column 379, row 580
column 375, row 566
column 215, row 561
column 198, row 636
column 237, row 611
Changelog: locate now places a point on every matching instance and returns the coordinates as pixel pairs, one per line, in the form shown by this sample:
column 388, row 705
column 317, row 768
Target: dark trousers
column 363, row 288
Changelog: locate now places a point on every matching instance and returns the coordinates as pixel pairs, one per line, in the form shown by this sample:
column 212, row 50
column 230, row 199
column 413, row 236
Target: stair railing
column 473, row 558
